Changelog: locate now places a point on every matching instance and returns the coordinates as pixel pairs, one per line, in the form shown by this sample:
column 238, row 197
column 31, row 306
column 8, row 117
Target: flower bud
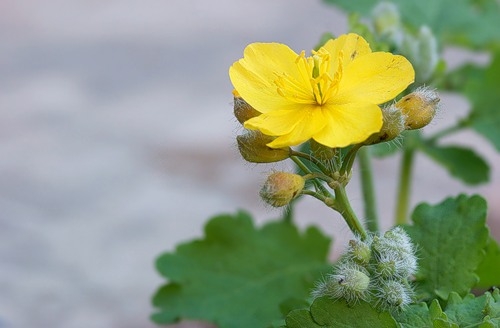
column 392, row 294
column 386, row 267
column 419, row 107
column 394, row 249
column 359, row 251
column 242, row 110
column 393, row 125
column 281, row 187
column 252, row 147
column 422, row 51
column 399, row 237
column 387, row 21
column 429, row 54
column 349, row 282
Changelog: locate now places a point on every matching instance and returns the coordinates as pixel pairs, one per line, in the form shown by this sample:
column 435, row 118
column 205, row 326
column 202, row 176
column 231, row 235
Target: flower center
column 316, row 84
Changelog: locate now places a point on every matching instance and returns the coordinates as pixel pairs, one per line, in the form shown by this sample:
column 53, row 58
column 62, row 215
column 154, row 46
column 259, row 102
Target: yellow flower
column 331, row 96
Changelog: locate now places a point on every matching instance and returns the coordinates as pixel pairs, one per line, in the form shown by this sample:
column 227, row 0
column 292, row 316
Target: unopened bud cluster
column 376, row 270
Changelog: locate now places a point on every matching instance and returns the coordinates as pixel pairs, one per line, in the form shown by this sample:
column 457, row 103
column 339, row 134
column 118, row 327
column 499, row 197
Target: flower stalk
column 404, row 189
column 343, row 206
column 368, row 190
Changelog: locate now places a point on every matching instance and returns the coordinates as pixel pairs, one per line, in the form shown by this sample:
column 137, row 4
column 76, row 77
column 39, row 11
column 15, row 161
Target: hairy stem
column 343, row 206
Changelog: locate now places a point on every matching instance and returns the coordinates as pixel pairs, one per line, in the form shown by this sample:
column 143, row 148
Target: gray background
column 117, row 142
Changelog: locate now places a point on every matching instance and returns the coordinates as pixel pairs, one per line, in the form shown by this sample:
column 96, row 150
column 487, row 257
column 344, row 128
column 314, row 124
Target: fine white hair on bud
column 281, row 187
column 394, row 122
column 392, row 295
column 399, row 237
column 419, row 107
column 375, row 269
column 349, row 282
column 359, row 250
column 394, row 255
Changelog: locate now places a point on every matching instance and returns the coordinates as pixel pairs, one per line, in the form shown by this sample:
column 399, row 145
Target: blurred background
column 117, row 143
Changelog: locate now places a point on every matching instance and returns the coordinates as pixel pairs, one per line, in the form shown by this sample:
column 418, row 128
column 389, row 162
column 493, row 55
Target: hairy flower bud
column 281, row 187
column 252, row 147
column 387, row 22
column 394, row 254
column 392, row 294
column 394, row 124
column 419, row 107
column 422, row 51
column 349, row 281
column 359, row 251
column 429, row 54
column 242, row 110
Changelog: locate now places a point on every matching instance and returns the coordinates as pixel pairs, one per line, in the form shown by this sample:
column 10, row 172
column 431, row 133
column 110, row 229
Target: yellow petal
column 292, row 127
column 350, row 46
column 374, row 78
column 349, row 124
column 255, row 74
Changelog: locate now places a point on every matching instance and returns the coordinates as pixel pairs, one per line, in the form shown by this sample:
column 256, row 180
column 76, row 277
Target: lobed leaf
column 450, row 239
column 325, row 312
column 237, row 275
column 489, row 269
column 414, row 316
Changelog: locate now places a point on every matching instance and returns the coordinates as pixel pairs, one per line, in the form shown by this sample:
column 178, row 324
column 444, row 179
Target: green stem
column 343, row 206
column 403, row 199
column 368, row 189
column 310, row 158
column 321, row 197
column 308, row 172
column 349, row 159
column 301, row 165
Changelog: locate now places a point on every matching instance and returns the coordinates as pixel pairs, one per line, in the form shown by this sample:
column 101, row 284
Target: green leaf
column 414, row 316
column 465, row 22
column 467, row 311
column 237, row 275
column 325, row 312
column 462, row 163
column 489, row 269
column 482, row 311
column 481, row 89
column 450, row 239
